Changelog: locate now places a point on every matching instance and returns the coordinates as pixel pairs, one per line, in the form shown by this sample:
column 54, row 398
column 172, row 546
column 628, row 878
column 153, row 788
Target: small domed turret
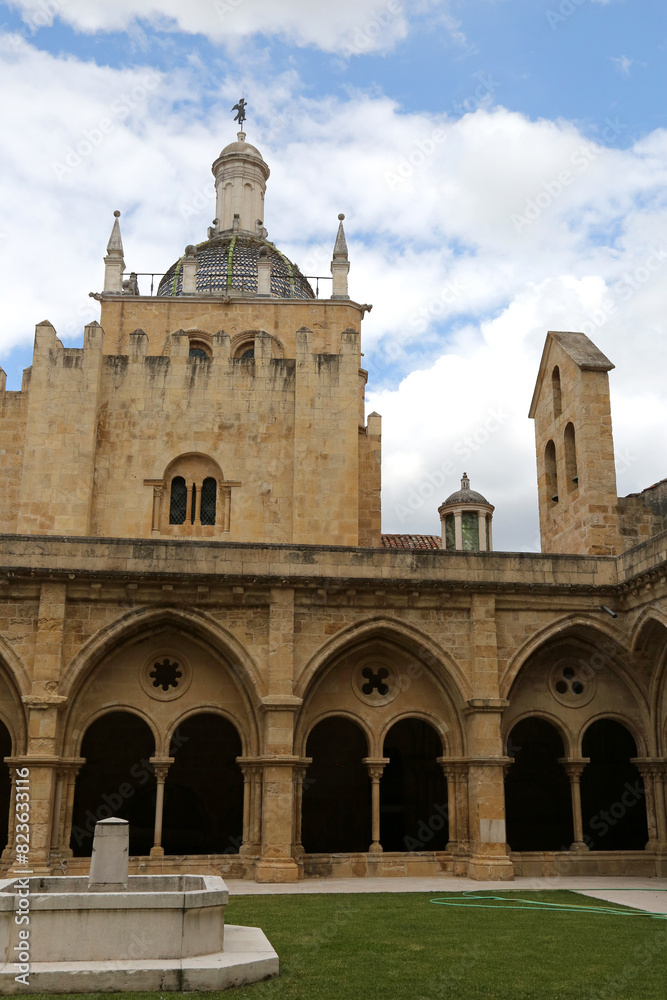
column 466, row 520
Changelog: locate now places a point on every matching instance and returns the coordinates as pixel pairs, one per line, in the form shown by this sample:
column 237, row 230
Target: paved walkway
column 639, row 893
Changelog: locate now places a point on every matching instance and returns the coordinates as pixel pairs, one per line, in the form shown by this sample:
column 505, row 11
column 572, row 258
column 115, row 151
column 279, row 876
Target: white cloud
column 348, row 27
column 463, row 294
column 623, row 64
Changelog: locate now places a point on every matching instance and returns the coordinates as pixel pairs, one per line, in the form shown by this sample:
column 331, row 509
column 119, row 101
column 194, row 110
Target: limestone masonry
column 203, row 630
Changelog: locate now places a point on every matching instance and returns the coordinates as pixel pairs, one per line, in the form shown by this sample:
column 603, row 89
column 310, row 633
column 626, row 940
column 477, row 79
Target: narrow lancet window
column 208, row 501
column 571, row 458
column 555, row 385
column 178, row 504
column 551, row 471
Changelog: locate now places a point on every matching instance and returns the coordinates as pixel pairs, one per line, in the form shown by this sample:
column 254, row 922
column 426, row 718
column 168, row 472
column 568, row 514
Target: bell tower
column 575, row 448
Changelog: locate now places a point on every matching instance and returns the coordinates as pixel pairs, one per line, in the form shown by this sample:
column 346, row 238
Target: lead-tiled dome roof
column 229, row 262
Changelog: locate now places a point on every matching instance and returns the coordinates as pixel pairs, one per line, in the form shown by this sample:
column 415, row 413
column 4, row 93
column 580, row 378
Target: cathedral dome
column 227, row 264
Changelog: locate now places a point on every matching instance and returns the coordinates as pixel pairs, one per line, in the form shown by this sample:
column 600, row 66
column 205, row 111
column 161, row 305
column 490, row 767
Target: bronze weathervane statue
column 240, row 111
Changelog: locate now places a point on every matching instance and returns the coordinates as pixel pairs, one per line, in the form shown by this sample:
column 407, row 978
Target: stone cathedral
column 203, row 629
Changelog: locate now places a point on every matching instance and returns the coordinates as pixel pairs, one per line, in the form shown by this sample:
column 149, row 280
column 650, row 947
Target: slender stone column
column 299, row 774
column 61, row 780
column 450, row 771
column 68, row 812
column 375, row 768
column 481, row 522
column 462, row 808
column 252, row 806
column 458, row 530
column 198, row 487
column 647, row 769
column 161, row 765
column 660, row 780
column 8, row 853
column 574, row 767
column 158, row 492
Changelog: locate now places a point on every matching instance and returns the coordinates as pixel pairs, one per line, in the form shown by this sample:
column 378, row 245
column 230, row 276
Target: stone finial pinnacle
column 465, row 482
column 340, row 247
column 115, row 244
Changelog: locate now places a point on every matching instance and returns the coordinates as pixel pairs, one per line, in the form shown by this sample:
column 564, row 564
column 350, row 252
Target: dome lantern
column 466, row 518
column 240, row 184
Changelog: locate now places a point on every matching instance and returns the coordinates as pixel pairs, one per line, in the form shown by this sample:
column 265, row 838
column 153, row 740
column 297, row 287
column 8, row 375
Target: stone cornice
column 327, row 567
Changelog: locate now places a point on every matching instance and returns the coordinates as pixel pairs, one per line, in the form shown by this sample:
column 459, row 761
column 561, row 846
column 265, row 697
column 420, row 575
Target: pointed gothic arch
column 412, row 640
column 140, row 621
column 586, row 629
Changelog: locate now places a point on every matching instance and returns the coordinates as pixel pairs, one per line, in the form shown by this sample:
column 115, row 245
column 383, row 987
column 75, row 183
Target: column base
column 661, row 863
column 157, row 852
column 38, row 868
column 579, row 847
column 277, row 870
column 375, row 848
column 483, row 868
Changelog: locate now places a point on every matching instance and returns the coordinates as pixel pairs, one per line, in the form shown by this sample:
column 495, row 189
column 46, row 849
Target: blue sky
column 440, row 128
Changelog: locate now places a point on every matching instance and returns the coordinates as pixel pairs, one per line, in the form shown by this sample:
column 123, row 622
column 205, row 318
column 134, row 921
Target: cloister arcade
column 164, row 728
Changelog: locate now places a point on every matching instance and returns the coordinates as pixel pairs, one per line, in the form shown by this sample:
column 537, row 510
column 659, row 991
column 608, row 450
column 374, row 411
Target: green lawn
column 398, row 946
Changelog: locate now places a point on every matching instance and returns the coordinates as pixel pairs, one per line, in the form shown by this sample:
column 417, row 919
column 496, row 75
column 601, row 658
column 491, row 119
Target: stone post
column 375, row 768
column 189, row 271
column 574, row 768
column 161, row 766
column 109, row 862
column 264, row 272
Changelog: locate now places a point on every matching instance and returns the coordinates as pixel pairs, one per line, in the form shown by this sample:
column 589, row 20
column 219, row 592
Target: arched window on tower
column 199, row 498
column 178, row 503
column 551, row 471
column 571, row 458
column 555, row 385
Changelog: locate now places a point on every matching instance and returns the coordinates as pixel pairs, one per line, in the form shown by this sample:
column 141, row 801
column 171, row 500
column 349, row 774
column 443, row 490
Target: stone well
column 113, row 931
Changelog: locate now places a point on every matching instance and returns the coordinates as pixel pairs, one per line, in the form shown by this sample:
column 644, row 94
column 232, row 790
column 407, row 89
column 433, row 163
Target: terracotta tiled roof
column 411, row 542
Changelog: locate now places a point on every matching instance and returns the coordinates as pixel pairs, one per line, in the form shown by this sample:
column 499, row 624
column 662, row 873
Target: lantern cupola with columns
column 466, row 520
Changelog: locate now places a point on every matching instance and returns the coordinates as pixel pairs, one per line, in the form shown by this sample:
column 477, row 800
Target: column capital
column 574, row 766
column 161, row 766
column 656, row 766
column 376, row 766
